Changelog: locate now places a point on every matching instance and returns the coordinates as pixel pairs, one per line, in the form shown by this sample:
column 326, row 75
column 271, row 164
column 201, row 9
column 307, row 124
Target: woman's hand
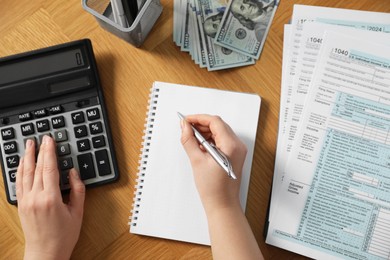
column 51, row 228
column 216, row 189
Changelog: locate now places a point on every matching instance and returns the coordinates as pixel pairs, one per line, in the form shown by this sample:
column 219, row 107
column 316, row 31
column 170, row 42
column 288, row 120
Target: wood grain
column 127, row 73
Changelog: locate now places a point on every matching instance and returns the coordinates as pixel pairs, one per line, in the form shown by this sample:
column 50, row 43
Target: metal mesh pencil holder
column 138, row 30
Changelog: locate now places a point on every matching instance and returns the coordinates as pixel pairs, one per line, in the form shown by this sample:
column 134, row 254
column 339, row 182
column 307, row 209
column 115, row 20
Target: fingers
column 28, row 166
column 219, row 133
column 188, row 140
column 46, row 172
column 215, row 125
column 50, row 174
column 77, row 193
column 19, row 180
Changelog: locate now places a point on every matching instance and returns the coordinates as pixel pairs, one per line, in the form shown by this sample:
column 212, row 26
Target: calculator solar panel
column 55, row 91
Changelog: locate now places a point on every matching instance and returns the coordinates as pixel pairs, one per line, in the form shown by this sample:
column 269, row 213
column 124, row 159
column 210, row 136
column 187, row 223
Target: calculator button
column 96, row 128
column 10, row 147
column 27, row 129
column 66, row 163
column 31, row 138
column 60, row 136
column 98, row 141
column 8, row 133
column 58, row 121
column 12, row 175
column 103, row 163
column 12, row 161
column 55, row 109
column 80, row 131
column 25, row 116
column 41, row 137
column 43, row 125
column 78, row 117
column 40, row 113
column 86, row 168
column 83, row 145
column 93, row 114
column 63, row 149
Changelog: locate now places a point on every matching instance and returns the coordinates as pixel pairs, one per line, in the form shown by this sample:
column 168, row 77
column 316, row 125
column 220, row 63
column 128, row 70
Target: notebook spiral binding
column 142, row 163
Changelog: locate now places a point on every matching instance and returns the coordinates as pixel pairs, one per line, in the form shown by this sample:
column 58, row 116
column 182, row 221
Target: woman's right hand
column 216, row 189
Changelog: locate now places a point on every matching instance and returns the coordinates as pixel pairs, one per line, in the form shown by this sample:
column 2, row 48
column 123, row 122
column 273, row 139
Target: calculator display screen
column 40, row 65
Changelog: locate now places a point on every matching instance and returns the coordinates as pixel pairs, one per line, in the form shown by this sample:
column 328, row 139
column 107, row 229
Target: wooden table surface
column 127, row 73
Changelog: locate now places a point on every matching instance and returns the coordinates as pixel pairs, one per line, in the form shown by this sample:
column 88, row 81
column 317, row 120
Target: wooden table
column 127, row 73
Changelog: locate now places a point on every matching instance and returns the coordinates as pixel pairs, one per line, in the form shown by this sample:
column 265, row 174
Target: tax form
column 312, row 37
column 372, row 21
column 334, row 201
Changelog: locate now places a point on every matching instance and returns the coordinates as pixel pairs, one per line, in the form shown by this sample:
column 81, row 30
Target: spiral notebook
column 166, row 202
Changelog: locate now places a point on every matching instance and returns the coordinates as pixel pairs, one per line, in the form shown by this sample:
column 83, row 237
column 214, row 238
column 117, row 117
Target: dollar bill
column 192, row 42
column 179, row 12
column 218, row 57
column 176, row 4
column 186, row 34
column 245, row 25
column 201, row 53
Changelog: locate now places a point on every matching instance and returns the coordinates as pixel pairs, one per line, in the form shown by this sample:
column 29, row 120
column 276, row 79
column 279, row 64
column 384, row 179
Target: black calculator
column 56, row 91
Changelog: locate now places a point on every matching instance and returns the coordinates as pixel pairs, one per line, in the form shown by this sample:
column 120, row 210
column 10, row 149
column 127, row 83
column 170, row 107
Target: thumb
column 188, row 140
column 77, row 193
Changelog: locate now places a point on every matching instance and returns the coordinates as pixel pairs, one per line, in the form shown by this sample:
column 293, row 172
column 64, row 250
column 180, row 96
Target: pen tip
column 180, row 115
column 233, row 176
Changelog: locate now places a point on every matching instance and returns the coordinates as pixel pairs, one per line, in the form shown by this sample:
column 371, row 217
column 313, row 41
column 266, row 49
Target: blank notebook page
column 166, row 202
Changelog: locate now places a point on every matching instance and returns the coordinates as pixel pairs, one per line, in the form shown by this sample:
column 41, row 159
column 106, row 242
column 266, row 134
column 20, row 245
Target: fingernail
column 45, row 139
column 29, row 143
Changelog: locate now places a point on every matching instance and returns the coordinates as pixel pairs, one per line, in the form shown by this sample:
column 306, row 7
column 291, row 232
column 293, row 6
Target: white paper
column 335, row 191
column 169, row 205
column 372, row 21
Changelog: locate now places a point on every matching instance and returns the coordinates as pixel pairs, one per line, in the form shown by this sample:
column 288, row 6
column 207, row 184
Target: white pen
column 119, row 13
column 217, row 154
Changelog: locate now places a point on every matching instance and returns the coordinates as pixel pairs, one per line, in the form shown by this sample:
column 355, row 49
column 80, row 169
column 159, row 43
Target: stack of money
column 222, row 34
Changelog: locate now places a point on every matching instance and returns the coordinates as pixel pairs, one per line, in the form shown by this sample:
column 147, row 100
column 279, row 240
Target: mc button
column 7, row 133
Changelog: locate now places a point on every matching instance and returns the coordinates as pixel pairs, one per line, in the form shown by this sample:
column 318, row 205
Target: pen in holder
column 137, row 31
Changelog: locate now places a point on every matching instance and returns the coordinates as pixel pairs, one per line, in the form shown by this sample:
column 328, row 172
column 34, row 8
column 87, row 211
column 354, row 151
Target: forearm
column 231, row 236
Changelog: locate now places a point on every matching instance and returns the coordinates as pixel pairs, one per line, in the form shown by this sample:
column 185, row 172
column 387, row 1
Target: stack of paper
column 330, row 195
column 222, row 34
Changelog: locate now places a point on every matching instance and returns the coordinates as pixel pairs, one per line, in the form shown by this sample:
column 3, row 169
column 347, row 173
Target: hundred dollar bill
column 218, row 57
column 195, row 38
column 245, row 25
column 186, row 35
column 177, row 18
column 201, row 53
column 192, row 43
column 176, row 5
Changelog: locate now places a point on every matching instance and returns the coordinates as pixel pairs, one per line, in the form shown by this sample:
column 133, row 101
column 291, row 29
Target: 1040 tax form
column 334, row 200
